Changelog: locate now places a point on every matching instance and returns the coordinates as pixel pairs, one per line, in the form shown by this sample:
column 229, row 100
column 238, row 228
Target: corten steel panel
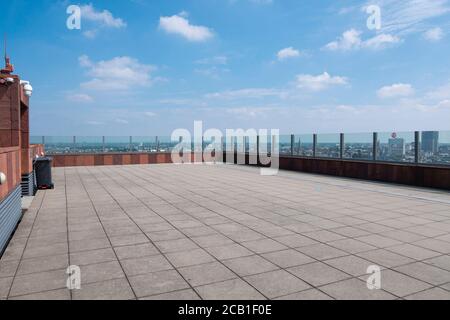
column 108, row 160
column 126, row 159
column 408, row 174
column 135, row 159
column 5, row 118
column 99, row 160
column 89, row 160
column 144, row 159
column 117, row 159
column 152, row 158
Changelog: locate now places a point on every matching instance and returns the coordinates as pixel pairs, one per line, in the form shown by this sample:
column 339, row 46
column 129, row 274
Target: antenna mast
column 9, row 68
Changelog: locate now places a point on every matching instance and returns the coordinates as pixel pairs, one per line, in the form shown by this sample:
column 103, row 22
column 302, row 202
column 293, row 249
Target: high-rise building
column 430, row 142
column 396, row 147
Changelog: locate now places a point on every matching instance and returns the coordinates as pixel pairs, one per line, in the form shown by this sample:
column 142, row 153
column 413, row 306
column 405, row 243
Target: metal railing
column 429, row 147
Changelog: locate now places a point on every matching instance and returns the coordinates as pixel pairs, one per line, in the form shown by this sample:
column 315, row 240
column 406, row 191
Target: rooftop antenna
column 9, row 68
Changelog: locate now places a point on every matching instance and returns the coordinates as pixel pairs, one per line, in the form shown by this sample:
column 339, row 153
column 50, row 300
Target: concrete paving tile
column 117, row 289
column 156, row 283
column 399, row 284
column 426, row 273
column 430, row 294
column 229, row 251
column 264, row 246
column 245, row 266
column 352, row 265
column 355, row 289
column 322, row 251
column 8, row 268
column 177, row 245
column 101, row 272
column 5, row 285
column 318, row 273
column 136, row 251
column 413, row 251
column 36, row 265
column 236, row 289
column 137, row 266
column 385, row 258
column 189, row 258
column 276, row 283
column 38, row 282
column 206, row 273
column 351, row 245
column 87, row 245
column 308, row 295
column 187, row 294
column 442, row 262
column 127, row 240
column 295, row 241
column 287, row 258
column 53, row 295
column 92, row 257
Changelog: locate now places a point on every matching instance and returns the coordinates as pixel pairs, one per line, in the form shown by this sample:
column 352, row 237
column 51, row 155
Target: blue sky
column 147, row 67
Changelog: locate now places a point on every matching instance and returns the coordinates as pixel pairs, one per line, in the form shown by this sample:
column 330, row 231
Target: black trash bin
column 43, row 168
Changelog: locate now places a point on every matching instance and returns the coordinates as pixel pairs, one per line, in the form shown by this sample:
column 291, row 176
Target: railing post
column 43, row 140
column 314, row 144
column 130, row 146
column 292, row 144
column 375, row 146
column 74, row 142
column 341, row 146
column 157, row 144
column 416, row 147
column 103, row 144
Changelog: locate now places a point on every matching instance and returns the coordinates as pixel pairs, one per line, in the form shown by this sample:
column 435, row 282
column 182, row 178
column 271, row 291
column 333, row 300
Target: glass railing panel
column 358, row 146
column 285, row 144
column 117, row 144
column 59, row 144
column 144, row 144
column 435, row 147
column 328, row 146
column 166, row 144
column 396, row 147
column 303, row 145
column 88, row 144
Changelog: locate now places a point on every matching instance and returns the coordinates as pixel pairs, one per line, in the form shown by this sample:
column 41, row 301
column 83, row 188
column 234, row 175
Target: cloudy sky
column 147, row 67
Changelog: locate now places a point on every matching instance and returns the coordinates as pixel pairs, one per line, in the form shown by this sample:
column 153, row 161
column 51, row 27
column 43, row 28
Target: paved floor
column 225, row 232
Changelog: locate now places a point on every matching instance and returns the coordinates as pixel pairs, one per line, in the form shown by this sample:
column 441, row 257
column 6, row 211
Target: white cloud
column 122, row 121
column 401, row 17
column 80, row 97
column 380, row 41
column 319, row 82
column 351, row 40
column 434, row 34
column 288, row 53
column 117, row 74
column 150, row 114
column 105, row 18
column 250, row 93
column 395, row 91
column 440, row 93
column 178, row 24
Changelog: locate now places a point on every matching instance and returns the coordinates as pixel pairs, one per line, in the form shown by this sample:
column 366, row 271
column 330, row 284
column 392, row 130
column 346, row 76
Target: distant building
column 430, row 142
column 396, row 147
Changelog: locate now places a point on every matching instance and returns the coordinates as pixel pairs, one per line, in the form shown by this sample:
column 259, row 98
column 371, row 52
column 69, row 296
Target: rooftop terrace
column 225, row 232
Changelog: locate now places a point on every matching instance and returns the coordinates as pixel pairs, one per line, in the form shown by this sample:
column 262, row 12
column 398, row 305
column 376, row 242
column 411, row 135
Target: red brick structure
column 16, row 154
